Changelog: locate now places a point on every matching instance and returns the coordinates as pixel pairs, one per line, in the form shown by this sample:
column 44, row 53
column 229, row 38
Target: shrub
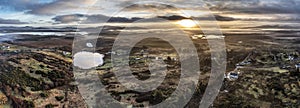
column 59, row 98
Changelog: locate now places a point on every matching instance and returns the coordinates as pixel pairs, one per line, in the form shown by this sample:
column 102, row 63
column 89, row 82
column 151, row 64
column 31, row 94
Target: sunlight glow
column 187, row 23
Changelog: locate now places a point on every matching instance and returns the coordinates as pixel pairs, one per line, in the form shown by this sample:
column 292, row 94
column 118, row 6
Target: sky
column 234, row 14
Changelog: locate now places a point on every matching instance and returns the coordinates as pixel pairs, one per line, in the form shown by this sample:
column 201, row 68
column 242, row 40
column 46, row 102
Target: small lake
column 87, row 60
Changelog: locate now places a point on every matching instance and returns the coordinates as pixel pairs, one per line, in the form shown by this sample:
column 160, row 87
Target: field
column 37, row 72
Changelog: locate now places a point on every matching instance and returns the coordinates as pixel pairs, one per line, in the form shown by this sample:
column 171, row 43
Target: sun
column 187, row 23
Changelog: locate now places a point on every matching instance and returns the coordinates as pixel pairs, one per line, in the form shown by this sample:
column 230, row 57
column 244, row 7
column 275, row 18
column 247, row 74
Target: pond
column 87, row 60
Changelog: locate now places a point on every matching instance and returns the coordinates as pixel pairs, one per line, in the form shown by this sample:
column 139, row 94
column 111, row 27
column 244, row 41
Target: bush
column 44, row 95
column 59, row 98
column 28, row 104
column 49, row 106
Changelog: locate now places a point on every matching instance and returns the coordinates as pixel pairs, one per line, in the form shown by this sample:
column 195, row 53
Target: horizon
column 248, row 16
column 132, row 53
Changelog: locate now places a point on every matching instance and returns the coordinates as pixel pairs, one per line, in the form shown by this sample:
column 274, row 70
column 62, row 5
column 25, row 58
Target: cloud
column 95, row 18
column 158, row 5
column 90, row 19
column 270, row 10
column 150, row 7
column 102, row 18
column 154, row 9
column 173, row 17
column 11, row 21
column 123, row 19
column 256, row 6
column 273, row 27
column 68, row 18
column 18, row 5
column 49, row 7
column 61, row 6
column 225, row 10
column 170, row 12
column 217, row 17
column 224, row 18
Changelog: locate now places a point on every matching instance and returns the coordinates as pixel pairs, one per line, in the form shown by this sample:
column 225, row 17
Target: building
column 285, row 67
column 111, row 52
column 291, row 58
column 5, row 47
column 200, row 36
column 297, row 67
column 90, row 45
column 244, row 63
column 66, row 53
column 232, row 76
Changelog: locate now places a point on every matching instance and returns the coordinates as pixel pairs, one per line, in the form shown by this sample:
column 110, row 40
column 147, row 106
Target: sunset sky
column 233, row 15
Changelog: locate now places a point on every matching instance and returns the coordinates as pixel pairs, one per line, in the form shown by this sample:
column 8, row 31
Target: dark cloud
column 224, row 18
column 173, row 17
column 18, row 5
column 165, row 5
column 58, row 6
column 49, row 7
column 122, row 19
column 68, row 18
column 256, row 6
column 275, row 18
column 150, row 7
column 102, row 18
column 216, row 17
column 96, row 18
column 273, row 26
column 90, row 19
column 11, row 21
column 276, row 10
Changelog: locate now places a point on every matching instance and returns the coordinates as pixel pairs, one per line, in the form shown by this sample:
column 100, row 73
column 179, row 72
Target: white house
column 297, row 66
column 232, row 76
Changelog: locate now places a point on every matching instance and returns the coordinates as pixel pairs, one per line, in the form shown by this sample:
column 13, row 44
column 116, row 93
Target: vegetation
column 49, row 106
column 59, row 98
